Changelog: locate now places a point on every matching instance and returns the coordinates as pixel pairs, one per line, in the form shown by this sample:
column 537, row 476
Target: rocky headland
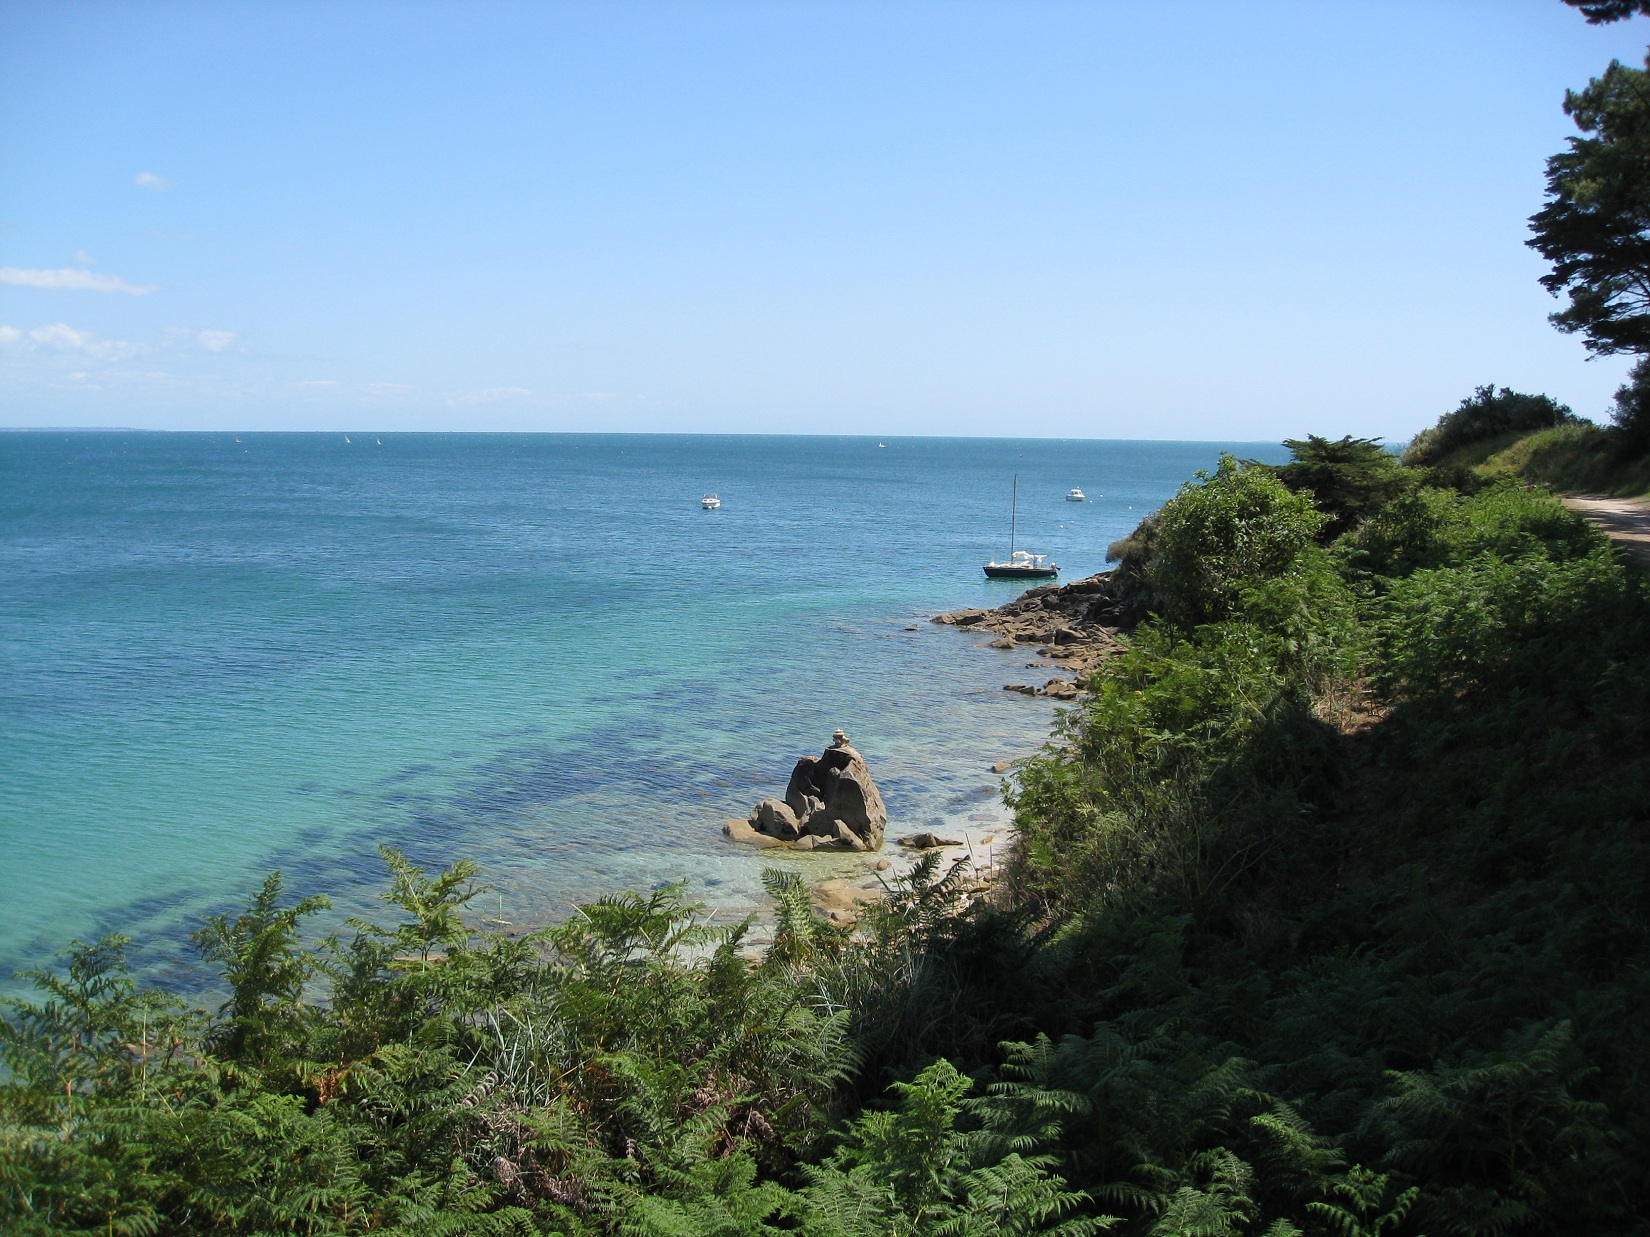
column 1072, row 626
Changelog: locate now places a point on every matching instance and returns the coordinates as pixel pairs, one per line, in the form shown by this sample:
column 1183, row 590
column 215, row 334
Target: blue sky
column 1235, row 220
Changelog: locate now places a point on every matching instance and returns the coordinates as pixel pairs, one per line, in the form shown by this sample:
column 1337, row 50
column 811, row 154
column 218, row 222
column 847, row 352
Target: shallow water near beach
column 221, row 656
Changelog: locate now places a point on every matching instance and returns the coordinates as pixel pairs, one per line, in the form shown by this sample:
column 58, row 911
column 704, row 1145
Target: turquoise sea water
column 222, row 655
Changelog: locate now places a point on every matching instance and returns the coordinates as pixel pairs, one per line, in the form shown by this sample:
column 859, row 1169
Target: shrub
column 1433, row 528
column 1482, row 415
column 1347, row 478
column 1223, row 534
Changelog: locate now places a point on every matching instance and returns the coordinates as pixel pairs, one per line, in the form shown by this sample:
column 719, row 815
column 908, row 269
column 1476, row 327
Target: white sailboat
column 1021, row 564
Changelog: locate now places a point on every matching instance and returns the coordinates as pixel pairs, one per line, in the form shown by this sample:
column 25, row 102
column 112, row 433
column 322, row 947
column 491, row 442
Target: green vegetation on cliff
column 1328, row 916
column 1486, row 415
column 1383, row 873
column 1502, row 434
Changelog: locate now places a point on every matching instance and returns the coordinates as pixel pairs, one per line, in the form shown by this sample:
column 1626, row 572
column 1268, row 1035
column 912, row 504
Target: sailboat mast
column 1013, row 515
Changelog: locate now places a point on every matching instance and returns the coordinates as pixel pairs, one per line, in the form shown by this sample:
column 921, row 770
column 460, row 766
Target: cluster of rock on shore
column 1075, row 626
column 831, row 803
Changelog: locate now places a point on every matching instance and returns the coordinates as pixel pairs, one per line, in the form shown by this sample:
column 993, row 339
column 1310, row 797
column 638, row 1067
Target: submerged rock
column 839, row 902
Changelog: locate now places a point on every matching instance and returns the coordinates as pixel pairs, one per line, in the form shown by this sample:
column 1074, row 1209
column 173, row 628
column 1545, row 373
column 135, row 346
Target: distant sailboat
column 346, row 439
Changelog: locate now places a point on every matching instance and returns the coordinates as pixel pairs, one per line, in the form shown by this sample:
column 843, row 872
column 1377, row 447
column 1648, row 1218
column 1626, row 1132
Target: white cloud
column 61, row 337
column 488, row 395
column 10, row 334
column 211, row 341
column 69, row 278
column 151, row 182
column 357, row 390
column 84, row 258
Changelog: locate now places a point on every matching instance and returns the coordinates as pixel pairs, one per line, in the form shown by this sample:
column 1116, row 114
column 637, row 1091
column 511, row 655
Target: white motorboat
column 1075, row 495
column 710, row 502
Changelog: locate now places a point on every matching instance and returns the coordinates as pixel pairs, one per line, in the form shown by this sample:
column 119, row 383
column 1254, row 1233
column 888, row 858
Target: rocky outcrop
column 927, row 841
column 1075, row 625
column 831, row 803
column 743, row 831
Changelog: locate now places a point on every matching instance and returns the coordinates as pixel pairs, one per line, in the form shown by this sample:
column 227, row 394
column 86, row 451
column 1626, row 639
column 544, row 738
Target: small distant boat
column 1075, row 495
column 346, row 438
column 1021, row 565
column 710, row 502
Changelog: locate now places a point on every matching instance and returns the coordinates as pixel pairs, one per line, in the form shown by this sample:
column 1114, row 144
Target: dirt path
column 1626, row 521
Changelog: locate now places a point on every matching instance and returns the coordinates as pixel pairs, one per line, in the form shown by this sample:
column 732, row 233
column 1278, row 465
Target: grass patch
column 1572, row 459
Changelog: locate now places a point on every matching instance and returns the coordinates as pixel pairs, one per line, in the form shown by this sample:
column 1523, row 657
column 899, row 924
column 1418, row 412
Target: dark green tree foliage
column 1599, row 12
column 1631, row 413
column 1595, row 227
column 1484, row 414
column 1347, row 478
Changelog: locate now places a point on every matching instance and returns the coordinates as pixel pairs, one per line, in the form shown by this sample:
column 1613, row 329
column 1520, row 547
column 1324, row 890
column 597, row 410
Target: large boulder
column 744, row 831
column 855, row 804
column 831, row 802
column 775, row 818
column 834, row 835
column 802, row 794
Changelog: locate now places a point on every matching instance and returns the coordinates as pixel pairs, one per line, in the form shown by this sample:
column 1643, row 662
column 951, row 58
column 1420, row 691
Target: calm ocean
column 221, row 656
